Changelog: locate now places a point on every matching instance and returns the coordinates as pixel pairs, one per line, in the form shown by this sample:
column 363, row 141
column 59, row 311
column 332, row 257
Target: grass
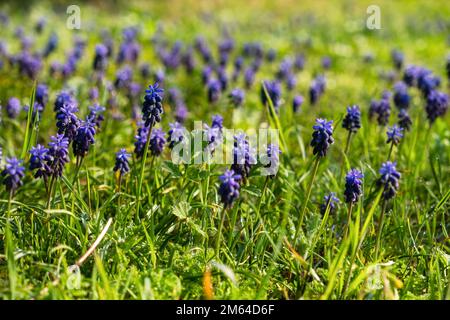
column 173, row 248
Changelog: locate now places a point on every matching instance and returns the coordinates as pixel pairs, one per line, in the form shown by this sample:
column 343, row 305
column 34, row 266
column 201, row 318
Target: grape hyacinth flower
column 436, row 105
column 229, row 188
column 152, row 106
column 316, row 89
column 249, row 77
column 326, row 63
column 181, row 113
column 389, row 179
column 51, row 45
column 383, row 111
column 157, row 142
column 41, row 97
column 159, row 76
column 322, row 137
column 353, row 186
column 329, row 201
column 352, row 120
column 271, row 55
column 59, row 154
column 206, row 74
column 214, row 90
column 93, row 94
column 175, row 134
column 273, row 89
column 12, row 174
column 299, row 62
column 40, row 160
column 401, row 96
column 394, row 134
column 122, row 163
column 297, row 103
column 404, row 121
column 291, row 81
column 397, row 58
column 13, row 107
column 237, row 97
column 100, row 58
column 64, row 98
column 427, row 82
column 141, row 140
column 217, row 121
column 273, row 159
column 243, row 156
column 123, row 77
column 410, row 75
column 84, row 138
column 67, row 121
column 223, row 78
column 96, row 113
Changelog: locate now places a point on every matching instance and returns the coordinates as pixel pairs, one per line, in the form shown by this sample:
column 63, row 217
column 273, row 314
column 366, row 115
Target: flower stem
column 262, row 194
column 380, row 230
column 50, row 191
column 347, row 144
column 390, row 151
column 10, row 250
column 349, row 219
column 308, row 194
column 219, row 232
column 141, row 176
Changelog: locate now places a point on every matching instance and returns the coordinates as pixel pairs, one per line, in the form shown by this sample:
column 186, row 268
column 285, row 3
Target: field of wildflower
column 349, row 199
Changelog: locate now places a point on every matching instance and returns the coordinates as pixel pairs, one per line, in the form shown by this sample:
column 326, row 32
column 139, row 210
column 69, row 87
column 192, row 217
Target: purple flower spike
column 352, row 120
column 40, row 160
column 229, row 188
column 331, row 201
column 122, row 163
column 237, row 97
column 394, row 134
column 437, row 105
column 322, row 137
column 59, row 153
column 175, row 134
column 13, row 174
column 157, row 142
column 84, row 138
column 389, row 179
column 152, row 107
column 13, row 107
column 214, row 90
column 141, row 140
column 273, row 89
column 297, row 103
column 353, row 186
column 404, row 121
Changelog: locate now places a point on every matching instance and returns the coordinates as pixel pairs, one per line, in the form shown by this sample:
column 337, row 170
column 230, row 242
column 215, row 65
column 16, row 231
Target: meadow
column 93, row 206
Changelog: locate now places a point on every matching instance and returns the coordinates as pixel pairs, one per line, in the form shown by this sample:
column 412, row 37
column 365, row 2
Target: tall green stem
column 390, row 151
column 347, row 144
column 308, row 194
column 9, row 254
column 141, row 177
column 219, row 232
column 380, row 230
column 349, row 219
